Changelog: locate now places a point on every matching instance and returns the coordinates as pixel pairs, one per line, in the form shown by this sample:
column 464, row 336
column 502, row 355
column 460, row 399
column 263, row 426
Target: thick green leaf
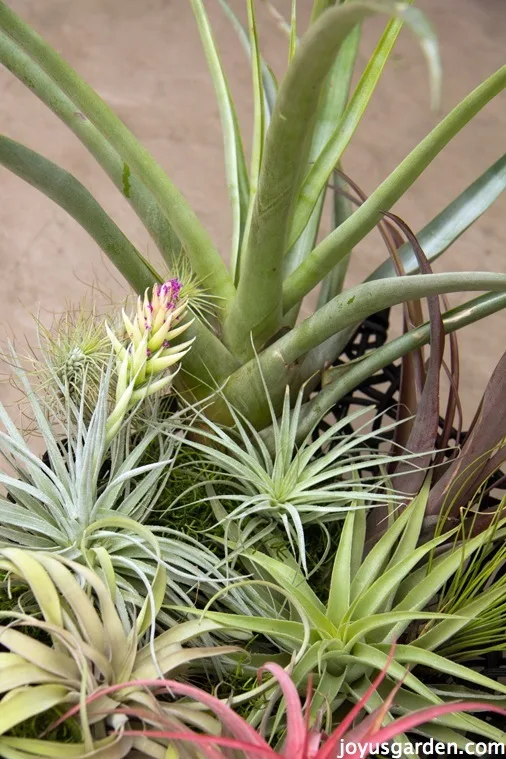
column 357, row 631
column 331, row 154
column 257, row 307
column 340, row 583
column 293, row 31
column 329, row 252
column 330, row 110
column 411, row 534
column 141, row 200
column 378, row 658
column 445, row 730
column 73, row 197
column 435, row 239
column 447, row 226
column 269, row 81
column 469, row 313
column 357, row 303
column 372, row 598
column 282, row 628
column 378, row 557
column 319, row 6
column 46, row 595
column 204, row 258
column 333, row 283
column 443, row 631
column 415, row 596
column 292, row 581
column 235, row 164
column 26, row 703
column 272, row 369
column 28, row 748
column 408, row 654
column 259, row 128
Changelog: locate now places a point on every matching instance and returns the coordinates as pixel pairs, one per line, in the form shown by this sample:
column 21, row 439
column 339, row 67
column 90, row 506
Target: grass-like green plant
column 373, row 600
column 87, row 646
column 302, row 127
column 478, row 587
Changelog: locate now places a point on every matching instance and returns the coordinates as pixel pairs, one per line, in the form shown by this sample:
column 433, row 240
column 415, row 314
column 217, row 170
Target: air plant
column 355, row 737
column 86, row 647
column 301, row 131
column 89, row 497
column 74, row 351
column 477, row 590
column 373, row 600
column 85, row 508
column 289, row 486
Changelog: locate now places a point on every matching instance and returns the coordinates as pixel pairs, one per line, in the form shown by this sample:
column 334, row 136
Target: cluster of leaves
column 223, row 517
column 93, row 509
column 302, row 127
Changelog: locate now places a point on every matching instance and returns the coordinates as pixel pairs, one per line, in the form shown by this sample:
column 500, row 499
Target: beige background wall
column 144, row 58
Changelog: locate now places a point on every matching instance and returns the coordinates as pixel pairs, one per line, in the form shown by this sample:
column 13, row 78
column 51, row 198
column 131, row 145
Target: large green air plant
column 344, row 629
column 64, row 643
column 302, row 127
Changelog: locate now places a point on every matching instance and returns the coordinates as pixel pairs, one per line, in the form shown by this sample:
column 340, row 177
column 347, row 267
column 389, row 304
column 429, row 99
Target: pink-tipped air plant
column 353, row 739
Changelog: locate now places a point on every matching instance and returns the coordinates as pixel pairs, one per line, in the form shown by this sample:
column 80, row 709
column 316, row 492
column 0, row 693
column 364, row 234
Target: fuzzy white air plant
column 74, row 351
column 148, row 352
column 289, row 485
column 88, row 500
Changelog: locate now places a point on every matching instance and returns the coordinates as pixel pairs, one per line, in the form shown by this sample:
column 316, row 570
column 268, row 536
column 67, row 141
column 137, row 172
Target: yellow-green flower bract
column 147, row 351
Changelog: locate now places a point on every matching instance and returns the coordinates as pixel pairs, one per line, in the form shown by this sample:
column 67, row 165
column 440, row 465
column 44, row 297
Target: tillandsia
column 148, row 350
column 73, row 351
column 302, row 128
column 73, row 645
column 341, row 624
column 88, row 507
column 280, row 493
column 303, row 735
column 89, row 498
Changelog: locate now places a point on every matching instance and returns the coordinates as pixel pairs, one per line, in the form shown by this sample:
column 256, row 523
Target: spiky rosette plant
column 89, row 497
column 75, row 350
column 343, row 630
column 275, row 494
column 83, row 648
column 303, row 737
